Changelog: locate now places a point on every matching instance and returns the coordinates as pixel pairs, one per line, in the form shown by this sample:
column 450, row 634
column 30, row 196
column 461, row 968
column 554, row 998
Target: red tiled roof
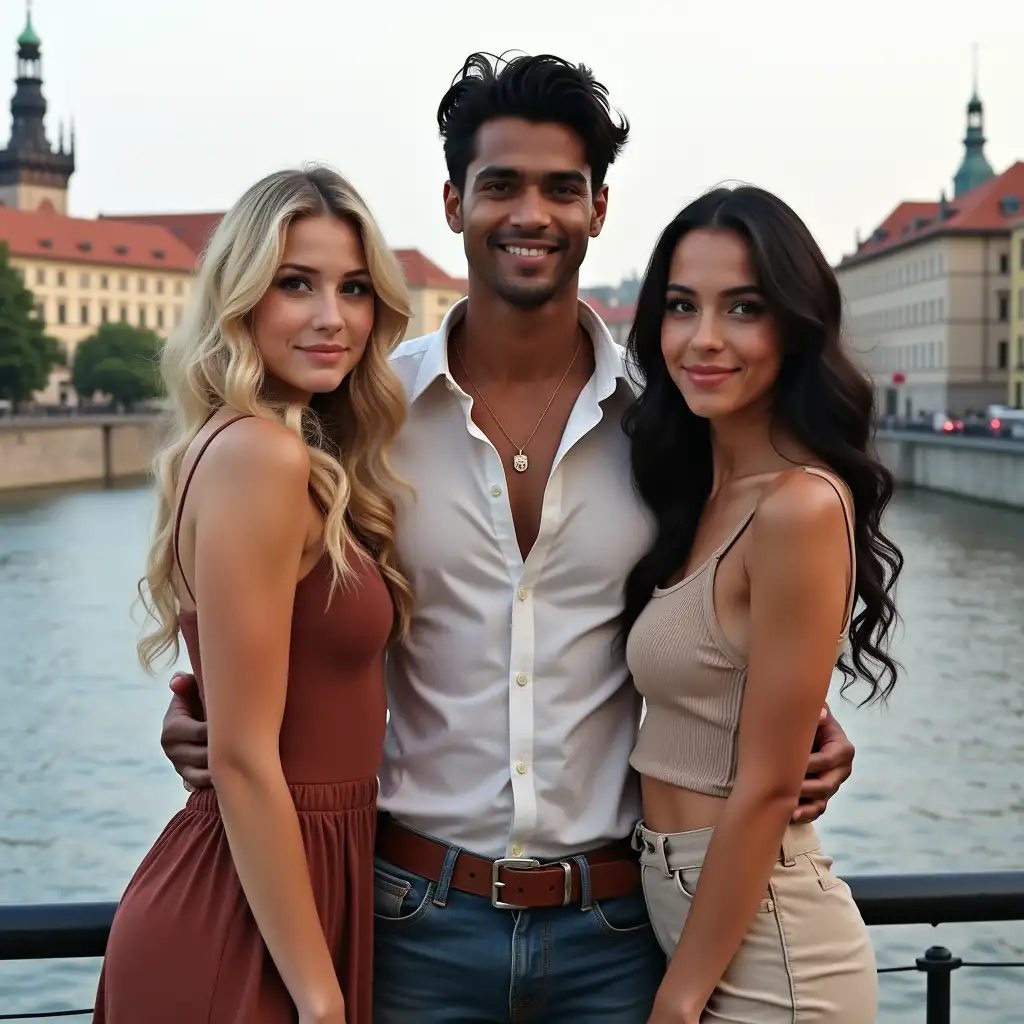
column 194, row 229
column 423, row 273
column 52, row 236
column 976, row 212
column 611, row 315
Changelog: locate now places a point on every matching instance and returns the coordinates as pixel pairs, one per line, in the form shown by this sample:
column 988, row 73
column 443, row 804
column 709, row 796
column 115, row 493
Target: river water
column 84, row 789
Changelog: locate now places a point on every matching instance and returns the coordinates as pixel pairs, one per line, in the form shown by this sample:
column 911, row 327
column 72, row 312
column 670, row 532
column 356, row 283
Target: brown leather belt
column 511, row 883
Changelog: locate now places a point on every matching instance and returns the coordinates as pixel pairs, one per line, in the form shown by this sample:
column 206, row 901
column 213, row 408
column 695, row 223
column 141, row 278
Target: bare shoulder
column 257, row 455
column 799, row 509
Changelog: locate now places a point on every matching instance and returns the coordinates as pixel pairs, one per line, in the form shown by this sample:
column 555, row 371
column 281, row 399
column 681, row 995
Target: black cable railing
column 60, row 931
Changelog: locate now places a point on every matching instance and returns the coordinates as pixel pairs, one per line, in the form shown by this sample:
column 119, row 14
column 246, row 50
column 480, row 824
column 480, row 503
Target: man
column 505, row 888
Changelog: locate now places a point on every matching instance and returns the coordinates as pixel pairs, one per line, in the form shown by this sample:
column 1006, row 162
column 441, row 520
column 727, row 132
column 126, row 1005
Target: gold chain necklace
column 520, row 462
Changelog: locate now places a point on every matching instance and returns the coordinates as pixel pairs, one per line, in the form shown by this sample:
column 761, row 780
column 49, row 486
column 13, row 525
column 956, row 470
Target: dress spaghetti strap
column 184, row 492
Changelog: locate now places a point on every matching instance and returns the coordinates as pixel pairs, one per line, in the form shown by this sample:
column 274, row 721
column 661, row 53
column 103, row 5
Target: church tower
column 33, row 175
column 975, row 167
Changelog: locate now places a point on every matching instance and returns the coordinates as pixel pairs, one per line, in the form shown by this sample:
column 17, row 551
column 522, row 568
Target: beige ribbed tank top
column 693, row 679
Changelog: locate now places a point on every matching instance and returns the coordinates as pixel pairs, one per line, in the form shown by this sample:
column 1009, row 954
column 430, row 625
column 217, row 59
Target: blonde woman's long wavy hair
column 211, row 361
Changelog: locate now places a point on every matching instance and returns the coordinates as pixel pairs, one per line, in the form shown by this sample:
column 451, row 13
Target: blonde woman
column 273, row 557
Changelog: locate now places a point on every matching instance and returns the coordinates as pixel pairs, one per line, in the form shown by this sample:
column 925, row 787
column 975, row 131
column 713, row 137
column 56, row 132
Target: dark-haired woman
column 750, row 444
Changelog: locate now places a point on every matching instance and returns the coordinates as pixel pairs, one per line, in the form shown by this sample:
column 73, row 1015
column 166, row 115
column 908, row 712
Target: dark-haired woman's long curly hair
column 820, row 399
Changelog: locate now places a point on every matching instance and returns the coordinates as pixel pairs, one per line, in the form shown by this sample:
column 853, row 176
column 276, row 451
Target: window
column 41, row 271
column 104, row 313
column 124, row 314
column 60, row 278
column 160, row 317
column 41, row 312
column 62, row 313
column 83, row 281
column 142, row 316
column 1004, row 308
column 1020, row 352
column 1004, row 263
column 179, row 288
column 1022, row 254
column 159, row 286
column 104, row 282
column 123, row 283
column 1020, row 302
column 1002, row 355
column 83, row 314
column 142, row 284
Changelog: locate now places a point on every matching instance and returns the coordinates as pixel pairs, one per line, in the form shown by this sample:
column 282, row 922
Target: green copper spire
column 28, row 36
column 975, row 167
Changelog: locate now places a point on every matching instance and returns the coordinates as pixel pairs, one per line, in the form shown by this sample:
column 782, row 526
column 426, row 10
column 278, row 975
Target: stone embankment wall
column 51, row 451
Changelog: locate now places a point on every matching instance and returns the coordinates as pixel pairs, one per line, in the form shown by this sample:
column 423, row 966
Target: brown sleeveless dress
column 184, row 948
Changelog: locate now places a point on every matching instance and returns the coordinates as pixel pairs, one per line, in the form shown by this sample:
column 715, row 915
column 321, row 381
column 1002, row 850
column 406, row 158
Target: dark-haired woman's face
column 719, row 343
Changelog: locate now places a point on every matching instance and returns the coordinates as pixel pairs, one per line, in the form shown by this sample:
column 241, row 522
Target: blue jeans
column 442, row 956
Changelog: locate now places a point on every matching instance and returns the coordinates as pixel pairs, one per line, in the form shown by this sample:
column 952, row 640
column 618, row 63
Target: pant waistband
column 683, row 851
column 512, row 883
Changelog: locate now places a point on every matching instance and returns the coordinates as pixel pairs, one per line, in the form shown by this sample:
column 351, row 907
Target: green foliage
column 121, row 361
column 27, row 354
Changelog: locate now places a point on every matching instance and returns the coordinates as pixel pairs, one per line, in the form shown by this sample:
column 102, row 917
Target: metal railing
column 73, row 930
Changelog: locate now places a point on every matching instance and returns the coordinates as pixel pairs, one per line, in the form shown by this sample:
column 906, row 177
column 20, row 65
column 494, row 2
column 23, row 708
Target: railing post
column 939, row 964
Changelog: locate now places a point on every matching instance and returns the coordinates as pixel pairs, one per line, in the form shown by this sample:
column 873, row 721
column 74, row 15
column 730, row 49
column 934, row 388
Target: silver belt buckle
column 513, row 864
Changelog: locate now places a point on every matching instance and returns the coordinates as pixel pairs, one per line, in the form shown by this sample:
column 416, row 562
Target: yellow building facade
column 1015, row 384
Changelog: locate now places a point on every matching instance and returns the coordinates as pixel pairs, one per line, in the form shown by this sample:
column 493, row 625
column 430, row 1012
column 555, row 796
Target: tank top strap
column 184, row 493
column 840, row 487
column 724, row 548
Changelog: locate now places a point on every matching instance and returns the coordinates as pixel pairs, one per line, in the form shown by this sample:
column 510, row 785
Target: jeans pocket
column 623, row 915
column 686, row 882
column 400, row 897
column 822, row 865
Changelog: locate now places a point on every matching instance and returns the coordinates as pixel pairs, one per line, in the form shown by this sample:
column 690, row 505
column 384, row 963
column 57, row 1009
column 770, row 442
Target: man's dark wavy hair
column 542, row 89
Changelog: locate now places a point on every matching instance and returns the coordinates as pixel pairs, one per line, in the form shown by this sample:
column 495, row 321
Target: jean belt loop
column 445, row 881
column 585, row 898
column 636, row 839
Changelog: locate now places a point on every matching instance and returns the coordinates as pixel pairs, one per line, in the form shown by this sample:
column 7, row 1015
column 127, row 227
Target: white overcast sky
column 841, row 108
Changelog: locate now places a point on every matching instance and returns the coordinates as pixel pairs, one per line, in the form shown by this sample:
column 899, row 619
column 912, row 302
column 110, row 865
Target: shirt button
column 521, row 768
column 521, row 593
column 517, row 850
column 521, row 679
column 496, row 491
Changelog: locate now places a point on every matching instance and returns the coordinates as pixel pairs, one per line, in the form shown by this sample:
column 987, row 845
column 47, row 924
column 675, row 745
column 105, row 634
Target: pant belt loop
column 788, row 860
column 661, row 849
column 444, row 882
column 585, row 892
column 636, row 839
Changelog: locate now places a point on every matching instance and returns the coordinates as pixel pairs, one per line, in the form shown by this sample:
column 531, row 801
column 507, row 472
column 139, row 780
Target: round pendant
column 520, row 463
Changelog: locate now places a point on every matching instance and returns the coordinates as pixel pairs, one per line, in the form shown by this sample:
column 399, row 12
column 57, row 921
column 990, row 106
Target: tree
column 27, row 354
column 121, row 361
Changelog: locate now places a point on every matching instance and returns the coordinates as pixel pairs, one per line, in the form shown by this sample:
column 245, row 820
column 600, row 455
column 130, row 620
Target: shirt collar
column 609, row 366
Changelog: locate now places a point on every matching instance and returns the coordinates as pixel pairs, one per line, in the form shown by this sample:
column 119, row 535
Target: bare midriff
column 669, row 808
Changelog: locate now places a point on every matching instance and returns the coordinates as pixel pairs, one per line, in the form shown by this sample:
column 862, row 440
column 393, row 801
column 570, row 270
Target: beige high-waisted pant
column 807, row 956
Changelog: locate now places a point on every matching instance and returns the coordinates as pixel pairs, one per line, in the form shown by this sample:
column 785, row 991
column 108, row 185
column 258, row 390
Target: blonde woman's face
column 313, row 324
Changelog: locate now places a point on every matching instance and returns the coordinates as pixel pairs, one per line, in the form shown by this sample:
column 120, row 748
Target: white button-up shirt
column 512, row 711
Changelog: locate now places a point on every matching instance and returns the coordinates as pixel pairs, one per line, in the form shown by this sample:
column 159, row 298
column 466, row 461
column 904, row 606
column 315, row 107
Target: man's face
column 527, row 211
